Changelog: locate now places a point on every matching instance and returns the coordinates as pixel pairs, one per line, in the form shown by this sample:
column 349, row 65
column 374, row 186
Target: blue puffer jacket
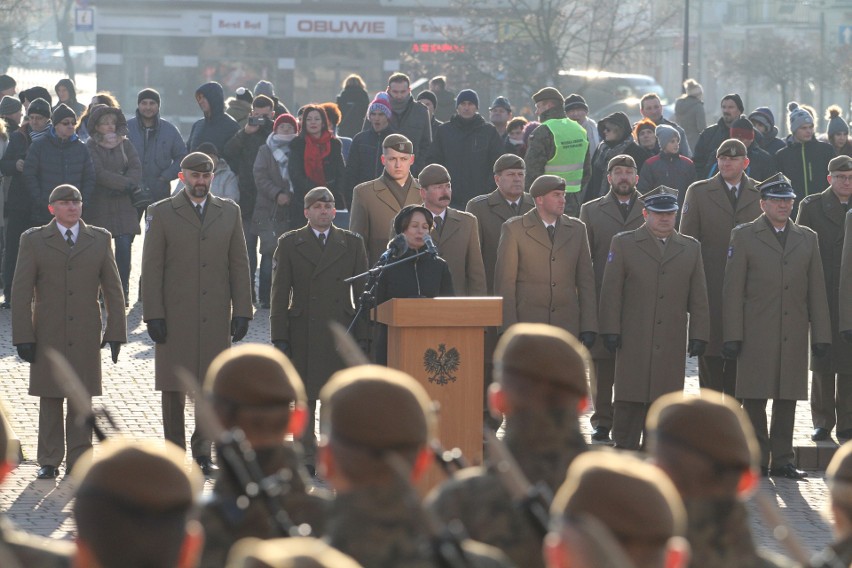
column 51, row 162
column 216, row 127
column 161, row 149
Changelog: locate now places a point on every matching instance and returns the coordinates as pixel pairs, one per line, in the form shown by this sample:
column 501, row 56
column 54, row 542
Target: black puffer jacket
column 806, row 165
column 704, row 153
column 365, row 159
column 19, row 202
column 598, row 184
column 241, row 153
column 216, row 127
column 353, row 102
column 333, row 168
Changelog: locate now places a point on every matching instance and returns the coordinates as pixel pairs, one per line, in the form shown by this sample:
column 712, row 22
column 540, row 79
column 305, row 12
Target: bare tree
column 13, row 14
column 64, row 31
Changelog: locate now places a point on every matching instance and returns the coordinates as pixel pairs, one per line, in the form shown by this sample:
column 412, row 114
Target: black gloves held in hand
column 26, row 351
column 696, row 347
column 157, row 330
column 587, row 338
column 239, row 328
column 612, row 341
column 731, row 349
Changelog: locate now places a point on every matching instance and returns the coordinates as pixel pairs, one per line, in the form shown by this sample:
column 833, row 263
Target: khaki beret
column 509, row 162
column 65, row 192
column 318, row 194
column 543, row 352
column 399, row 143
column 545, row 184
column 294, row 552
column 378, row 408
column 197, row 162
column 548, row 93
column 840, row 164
column 621, row 160
column 433, row 174
column 633, row 499
column 139, row 475
column 711, row 425
column 254, row 375
column 732, row 148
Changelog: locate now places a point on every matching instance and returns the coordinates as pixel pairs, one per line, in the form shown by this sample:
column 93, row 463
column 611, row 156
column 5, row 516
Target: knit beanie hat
column 9, row 105
column 429, row 96
column 742, row 129
column 798, row 116
column 264, row 88
column 61, row 112
column 574, row 100
column 467, row 95
column 244, row 95
column 665, row 133
column 764, row 116
column 149, row 94
column 836, row 124
column 380, row 105
column 7, row 82
column 737, row 100
column 40, row 107
column 289, row 119
column 693, row 88
column 34, row 93
column 644, row 124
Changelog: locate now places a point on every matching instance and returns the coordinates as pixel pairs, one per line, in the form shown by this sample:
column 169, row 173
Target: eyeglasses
column 841, row 179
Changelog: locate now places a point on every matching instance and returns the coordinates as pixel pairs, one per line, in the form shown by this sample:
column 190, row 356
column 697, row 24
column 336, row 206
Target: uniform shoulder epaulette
column 741, row 225
column 99, row 229
column 623, row 234
column 690, row 238
column 30, row 230
column 350, row 234
column 288, row 234
column 811, row 197
column 478, row 198
column 807, row 229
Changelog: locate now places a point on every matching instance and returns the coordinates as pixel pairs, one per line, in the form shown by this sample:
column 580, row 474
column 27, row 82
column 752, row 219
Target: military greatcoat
column 55, row 303
column 308, row 292
column 772, row 296
column 544, row 282
column 649, row 291
column 458, row 244
column 195, row 275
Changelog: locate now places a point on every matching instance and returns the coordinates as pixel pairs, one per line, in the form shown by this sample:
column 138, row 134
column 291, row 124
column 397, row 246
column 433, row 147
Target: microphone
column 430, row 245
column 396, row 248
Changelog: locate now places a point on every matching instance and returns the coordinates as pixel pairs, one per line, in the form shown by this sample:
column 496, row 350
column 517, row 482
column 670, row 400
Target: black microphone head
column 401, row 244
column 430, row 245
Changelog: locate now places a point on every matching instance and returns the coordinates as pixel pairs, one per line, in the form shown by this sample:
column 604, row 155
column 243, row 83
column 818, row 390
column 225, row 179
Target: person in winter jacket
column 102, row 98
column 764, row 122
column 712, row 137
column 365, row 154
column 616, row 138
column 467, row 146
column 837, row 133
column 645, row 134
column 216, row 126
column 353, row 101
column 239, row 106
column 515, row 143
column 332, row 111
column 805, row 159
column 689, row 111
column 410, row 118
column 66, row 92
column 667, row 168
column 118, row 171
column 225, row 182
column 651, row 108
column 264, row 87
column 761, row 165
column 428, row 99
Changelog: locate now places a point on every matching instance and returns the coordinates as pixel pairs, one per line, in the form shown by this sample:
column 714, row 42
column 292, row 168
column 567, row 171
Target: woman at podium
column 426, row 276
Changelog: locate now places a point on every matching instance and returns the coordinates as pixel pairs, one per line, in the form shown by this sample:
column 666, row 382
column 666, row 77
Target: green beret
column 711, row 425
column 621, row 160
column 840, row 164
column 294, row 552
column 139, row 475
column 545, row 184
column 548, row 93
column 433, row 174
column 633, row 499
column 509, row 162
column 197, row 162
column 732, row 148
column 254, row 375
column 377, row 408
column 318, row 194
column 65, row 192
column 399, row 143
column 542, row 352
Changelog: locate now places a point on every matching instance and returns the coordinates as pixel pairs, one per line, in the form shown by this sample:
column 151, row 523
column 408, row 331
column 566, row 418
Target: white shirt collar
column 75, row 230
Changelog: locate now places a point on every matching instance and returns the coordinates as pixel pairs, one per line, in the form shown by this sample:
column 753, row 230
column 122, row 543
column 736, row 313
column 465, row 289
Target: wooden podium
column 441, row 343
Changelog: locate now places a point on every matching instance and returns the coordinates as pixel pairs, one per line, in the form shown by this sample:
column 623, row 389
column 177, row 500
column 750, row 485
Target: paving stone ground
column 44, row 507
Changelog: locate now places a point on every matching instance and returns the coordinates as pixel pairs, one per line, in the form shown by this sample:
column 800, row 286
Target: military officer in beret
column 456, row 233
column 196, row 289
column 308, row 292
column 839, row 481
column 773, row 294
column 253, row 387
column 493, row 209
column 540, row 385
column 64, row 266
column 711, row 209
column 17, row 548
column 631, row 498
column 375, row 203
column 654, row 299
column 707, row 447
column 377, row 425
column 136, row 501
column 293, row 552
column 617, row 211
column 544, row 268
column 825, row 213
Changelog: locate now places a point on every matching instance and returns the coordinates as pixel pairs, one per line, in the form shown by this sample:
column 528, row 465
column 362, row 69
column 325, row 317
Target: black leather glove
column 612, row 341
column 239, row 328
column 731, row 349
column 820, row 350
column 114, row 348
column 696, row 347
column 157, row 330
column 26, row 351
column 587, row 338
column 847, row 335
column 283, row 347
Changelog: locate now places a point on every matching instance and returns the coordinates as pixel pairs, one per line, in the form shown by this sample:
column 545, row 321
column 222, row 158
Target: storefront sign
column 440, row 28
column 340, row 27
column 239, row 24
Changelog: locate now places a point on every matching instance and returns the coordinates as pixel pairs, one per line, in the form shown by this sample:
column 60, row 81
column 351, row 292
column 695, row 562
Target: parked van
column 601, row 88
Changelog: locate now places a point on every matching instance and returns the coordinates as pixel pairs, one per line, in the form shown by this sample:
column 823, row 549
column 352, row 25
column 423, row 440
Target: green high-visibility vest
column 572, row 143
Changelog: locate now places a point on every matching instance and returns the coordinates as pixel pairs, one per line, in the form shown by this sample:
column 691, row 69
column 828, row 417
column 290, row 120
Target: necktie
column 199, row 210
column 321, row 238
column 69, row 237
column 514, row 206
column 551, row 232
column 732, row 195
column 439, row 224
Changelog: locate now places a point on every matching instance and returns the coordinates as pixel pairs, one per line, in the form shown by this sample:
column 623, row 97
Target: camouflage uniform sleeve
column 541, row 149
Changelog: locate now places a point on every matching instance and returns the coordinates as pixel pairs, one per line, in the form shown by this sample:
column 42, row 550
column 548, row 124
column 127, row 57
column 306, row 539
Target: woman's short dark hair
column 403, row 218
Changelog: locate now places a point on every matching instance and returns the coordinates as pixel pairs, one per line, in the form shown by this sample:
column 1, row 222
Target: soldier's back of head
column 294, row 552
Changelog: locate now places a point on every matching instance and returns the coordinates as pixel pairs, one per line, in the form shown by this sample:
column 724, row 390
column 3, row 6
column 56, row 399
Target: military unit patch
column 610, row 256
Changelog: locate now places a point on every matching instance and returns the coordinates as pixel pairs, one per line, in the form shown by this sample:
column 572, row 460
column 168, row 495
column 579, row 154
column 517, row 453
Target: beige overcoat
column 458, row 244
column 373, row 209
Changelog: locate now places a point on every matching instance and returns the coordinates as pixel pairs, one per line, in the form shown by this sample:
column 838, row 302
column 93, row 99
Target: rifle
column 241, row 459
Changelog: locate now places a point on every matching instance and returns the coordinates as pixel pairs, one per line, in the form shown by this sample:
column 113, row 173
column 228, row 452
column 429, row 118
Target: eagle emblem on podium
column 441, row 364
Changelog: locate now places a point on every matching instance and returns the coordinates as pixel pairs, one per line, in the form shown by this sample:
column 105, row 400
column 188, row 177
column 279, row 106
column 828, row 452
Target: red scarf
column 315, row 152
